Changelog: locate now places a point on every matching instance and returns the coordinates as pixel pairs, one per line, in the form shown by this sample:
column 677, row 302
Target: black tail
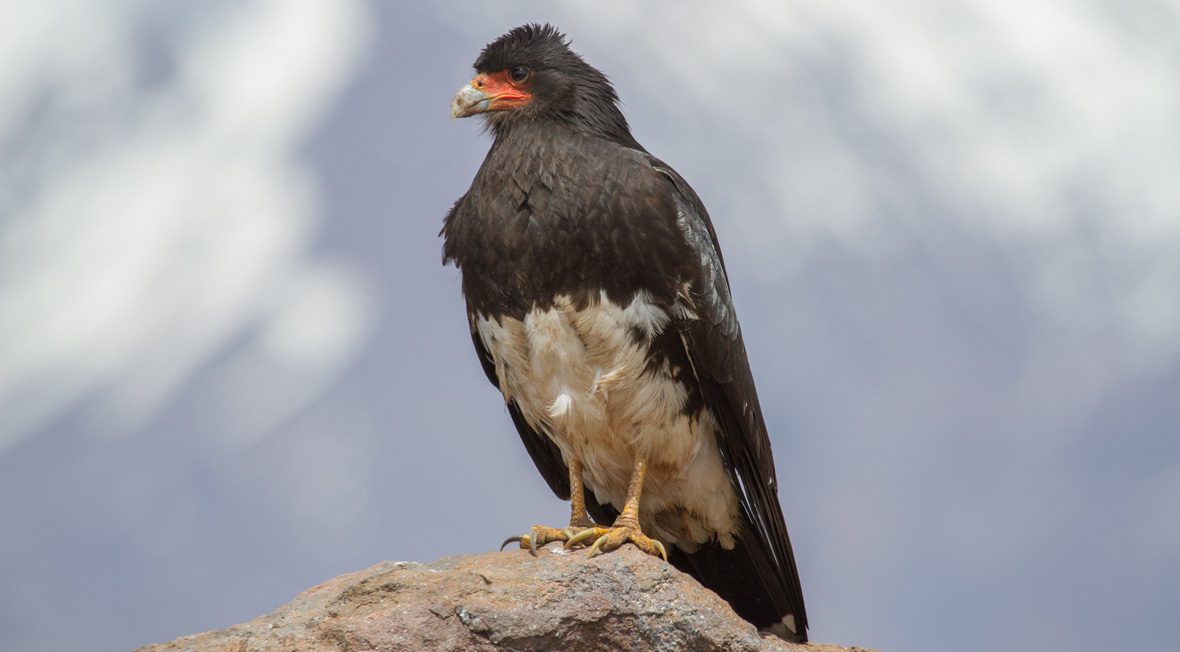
column 745, row 578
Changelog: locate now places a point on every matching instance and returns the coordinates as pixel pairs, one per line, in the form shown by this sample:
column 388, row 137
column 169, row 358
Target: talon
column 614, row 537
column 588, row 533
column 597, row 543
column 510, row 540
column 526, row 543
column 537, row 537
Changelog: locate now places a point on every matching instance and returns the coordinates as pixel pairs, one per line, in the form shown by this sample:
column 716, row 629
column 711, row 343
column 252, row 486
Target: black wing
column 713, row 343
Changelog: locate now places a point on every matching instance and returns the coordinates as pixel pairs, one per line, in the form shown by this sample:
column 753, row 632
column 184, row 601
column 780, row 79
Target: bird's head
column 531, row 75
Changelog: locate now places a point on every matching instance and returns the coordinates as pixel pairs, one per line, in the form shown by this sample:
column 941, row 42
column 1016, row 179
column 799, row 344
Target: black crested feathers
column 565, row 88
column 527, row 44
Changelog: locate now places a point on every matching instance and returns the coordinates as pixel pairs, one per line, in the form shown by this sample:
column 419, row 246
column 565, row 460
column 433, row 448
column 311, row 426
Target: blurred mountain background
column 231, row 365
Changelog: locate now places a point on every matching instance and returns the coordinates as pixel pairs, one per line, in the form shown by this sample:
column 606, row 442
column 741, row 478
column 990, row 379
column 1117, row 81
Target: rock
column 501, row 601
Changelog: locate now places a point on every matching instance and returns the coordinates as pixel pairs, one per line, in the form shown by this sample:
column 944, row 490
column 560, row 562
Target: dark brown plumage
column 569, row 218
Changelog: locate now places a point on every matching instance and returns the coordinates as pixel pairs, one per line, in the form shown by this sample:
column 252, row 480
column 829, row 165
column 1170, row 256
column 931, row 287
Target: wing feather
column 713, row 343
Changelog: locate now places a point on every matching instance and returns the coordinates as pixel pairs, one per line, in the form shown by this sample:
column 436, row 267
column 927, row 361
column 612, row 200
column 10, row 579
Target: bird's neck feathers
column 600, row 115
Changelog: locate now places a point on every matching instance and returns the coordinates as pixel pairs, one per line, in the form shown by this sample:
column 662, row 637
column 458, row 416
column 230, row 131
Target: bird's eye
column 518, row 74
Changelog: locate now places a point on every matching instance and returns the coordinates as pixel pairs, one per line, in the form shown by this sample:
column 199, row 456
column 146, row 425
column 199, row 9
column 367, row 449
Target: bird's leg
column 626, row 526
column 540, row 535
column 578, row 517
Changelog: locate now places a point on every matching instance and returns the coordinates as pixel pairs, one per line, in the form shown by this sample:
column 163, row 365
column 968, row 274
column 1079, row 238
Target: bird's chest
column 563, row 220
column 525, row 248
column 594, row 379
column 608, row 382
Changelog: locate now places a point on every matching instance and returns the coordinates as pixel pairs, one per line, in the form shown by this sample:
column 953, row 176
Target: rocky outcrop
column 501, row 601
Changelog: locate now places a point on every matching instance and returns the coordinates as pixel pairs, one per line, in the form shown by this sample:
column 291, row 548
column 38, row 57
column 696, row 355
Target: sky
column 232, row 365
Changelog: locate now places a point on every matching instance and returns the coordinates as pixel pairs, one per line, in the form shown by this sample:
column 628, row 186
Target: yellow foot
column 611, row 538
column 538, row 536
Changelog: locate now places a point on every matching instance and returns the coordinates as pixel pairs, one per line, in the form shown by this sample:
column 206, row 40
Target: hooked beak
column 469, row 101
column 489, row 92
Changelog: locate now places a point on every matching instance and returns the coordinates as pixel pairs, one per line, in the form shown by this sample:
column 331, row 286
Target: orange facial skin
column 503, row 92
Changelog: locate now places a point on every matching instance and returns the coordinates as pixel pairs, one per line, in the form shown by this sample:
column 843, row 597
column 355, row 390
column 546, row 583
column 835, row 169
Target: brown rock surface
column 501, row 601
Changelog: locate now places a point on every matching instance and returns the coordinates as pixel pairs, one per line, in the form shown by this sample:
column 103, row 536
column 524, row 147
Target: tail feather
column 745, row 578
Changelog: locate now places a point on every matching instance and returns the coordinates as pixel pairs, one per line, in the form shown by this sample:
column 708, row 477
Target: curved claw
column 613, row 538
column 579, row 537
column 594, row 549
column 526, row 542
column 538, row 536
column 517, row 539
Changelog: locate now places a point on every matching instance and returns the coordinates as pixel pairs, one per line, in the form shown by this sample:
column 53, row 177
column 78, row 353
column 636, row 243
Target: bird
column 599, row 306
